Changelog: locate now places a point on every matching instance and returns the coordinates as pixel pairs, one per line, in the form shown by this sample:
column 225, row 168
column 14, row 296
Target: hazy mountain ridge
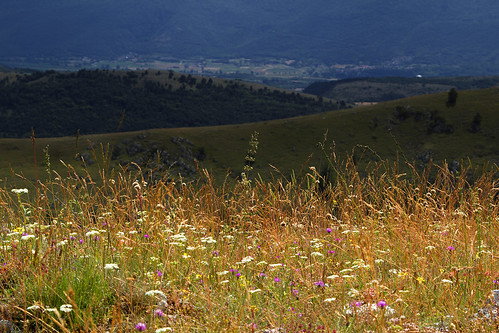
column 451, row 34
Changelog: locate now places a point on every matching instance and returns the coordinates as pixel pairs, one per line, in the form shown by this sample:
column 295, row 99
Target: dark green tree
column 451, row 98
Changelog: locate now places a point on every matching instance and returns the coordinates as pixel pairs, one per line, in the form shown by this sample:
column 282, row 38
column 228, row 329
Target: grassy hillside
column 417, row 129
column 390, row 88
column 387, row 253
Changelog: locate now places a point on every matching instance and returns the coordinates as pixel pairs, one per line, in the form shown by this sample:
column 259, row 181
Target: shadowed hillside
column 419, row 130
column 60, row 104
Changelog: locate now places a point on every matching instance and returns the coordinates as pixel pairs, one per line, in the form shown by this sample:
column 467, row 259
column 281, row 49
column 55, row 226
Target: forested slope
column 60, row 104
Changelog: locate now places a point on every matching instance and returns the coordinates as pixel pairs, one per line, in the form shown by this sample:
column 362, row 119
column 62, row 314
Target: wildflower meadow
column 379, row 251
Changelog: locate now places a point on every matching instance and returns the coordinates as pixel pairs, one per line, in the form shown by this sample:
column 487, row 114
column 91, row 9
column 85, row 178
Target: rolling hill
column 389, row 88
column 419, row 130
column 101, row 101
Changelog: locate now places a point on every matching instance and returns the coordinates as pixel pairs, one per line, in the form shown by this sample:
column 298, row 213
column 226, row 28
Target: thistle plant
column 249, row 159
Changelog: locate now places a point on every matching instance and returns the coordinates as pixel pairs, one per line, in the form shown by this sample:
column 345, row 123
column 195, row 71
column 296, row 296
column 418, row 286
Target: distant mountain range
column 457, row 36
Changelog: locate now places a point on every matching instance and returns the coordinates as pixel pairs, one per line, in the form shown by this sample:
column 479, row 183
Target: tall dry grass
column 373, row 251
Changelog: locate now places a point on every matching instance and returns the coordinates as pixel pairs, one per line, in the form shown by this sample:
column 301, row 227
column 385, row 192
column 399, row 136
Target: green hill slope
column 390, row 88
column 418, row 130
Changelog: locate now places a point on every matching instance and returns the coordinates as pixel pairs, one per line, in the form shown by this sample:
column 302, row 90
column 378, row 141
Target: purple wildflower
column 328, row 230
column 450, row 248
column 276, row 279
column 381, row 304
column 319, row 283
column 141, row 327
column 159, row 313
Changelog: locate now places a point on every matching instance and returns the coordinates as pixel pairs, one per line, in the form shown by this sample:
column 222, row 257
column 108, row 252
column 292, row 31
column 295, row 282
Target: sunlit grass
column 382, row 252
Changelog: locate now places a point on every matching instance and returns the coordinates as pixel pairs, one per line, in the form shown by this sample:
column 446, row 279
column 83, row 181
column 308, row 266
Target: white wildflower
column 353, row 293
column 111, row 267
column 255, row 291
column 246, row 259
column 155, row 292
column 179, row 238
column 92, row 233
column 329, row 300
column 66, row 308
column 26, row 237
column 20, row 190
column 33, row 307
column 208, row 240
